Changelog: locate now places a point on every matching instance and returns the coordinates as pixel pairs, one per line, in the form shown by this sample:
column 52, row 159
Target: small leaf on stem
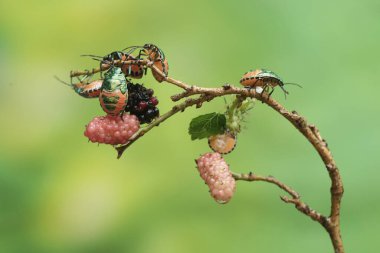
column 207, row 125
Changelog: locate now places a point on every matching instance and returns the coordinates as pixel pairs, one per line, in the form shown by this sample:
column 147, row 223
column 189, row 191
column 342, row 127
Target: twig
column 107, row 66
column 311, row 133
column 177, row 108
column 296, row 198
column 253, row 177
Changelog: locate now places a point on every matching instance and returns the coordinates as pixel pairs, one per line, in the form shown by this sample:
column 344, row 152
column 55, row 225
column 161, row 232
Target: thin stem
column 269, row 179
column 104, row 67
column 177, row 108
column 295, row 197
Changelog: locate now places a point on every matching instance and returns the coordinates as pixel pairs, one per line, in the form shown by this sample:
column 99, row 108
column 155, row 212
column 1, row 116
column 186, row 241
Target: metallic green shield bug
column 113, row 95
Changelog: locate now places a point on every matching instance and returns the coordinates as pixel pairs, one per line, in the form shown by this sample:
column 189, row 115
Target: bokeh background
column 59, row 193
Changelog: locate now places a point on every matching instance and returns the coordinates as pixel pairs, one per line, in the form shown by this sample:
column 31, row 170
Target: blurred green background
column 59, row 193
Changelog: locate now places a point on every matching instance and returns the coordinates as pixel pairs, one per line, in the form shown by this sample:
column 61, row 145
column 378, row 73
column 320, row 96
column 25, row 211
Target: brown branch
column 253, row 177
column 313, row 136
column 332, row 223
column 304, row 208
column 105, row 67
column 311, row 133
column 177, row 108
column 296, row 198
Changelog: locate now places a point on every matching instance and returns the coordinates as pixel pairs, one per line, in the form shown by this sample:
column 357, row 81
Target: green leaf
column 207, row 125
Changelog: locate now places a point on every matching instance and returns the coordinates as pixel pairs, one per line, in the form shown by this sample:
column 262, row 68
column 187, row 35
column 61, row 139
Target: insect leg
column 122, row 114
column 285, row 91
column 270, row 93
column 164, row 71
column 101, row 72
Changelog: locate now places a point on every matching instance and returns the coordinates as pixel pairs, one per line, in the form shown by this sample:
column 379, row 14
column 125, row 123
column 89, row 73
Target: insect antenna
column 285, row 91
column 60, row 80
column 91, row 55
column 131, row 49
column 296, row 84
column 282, row 88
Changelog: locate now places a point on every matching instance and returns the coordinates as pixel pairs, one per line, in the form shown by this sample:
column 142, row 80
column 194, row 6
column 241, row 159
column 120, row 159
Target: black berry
column 141, row 103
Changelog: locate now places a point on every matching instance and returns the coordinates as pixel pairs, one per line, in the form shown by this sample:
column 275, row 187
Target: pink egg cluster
column 215, row 172
column 112, row 129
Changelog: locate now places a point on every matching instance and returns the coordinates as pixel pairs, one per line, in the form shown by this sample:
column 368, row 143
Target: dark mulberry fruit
column 141, row 103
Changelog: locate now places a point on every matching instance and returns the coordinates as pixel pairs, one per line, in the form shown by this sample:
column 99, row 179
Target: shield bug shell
column 133, row 70
column 85, row 89
column 156, row 55
column 88, row 90
column 107, row 61
column 163, row 66
column 223, row 143
column 262, row 79
column 114, row 56
column 114, row 96
column 153, row 52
